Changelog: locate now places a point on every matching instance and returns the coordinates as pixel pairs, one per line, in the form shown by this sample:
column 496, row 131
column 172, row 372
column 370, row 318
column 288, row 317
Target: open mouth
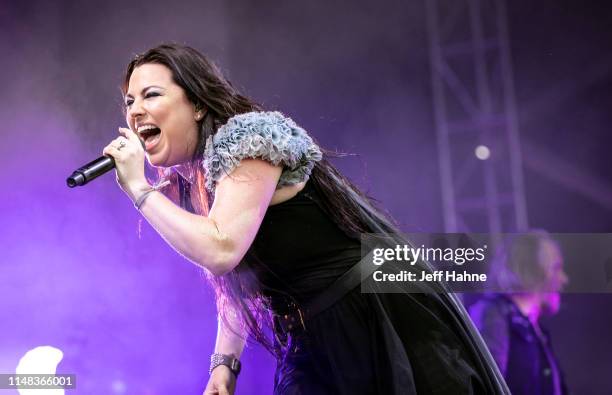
column 150, row 136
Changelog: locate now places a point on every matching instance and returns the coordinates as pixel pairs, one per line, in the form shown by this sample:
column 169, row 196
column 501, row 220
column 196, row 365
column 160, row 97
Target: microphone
column 90, row 171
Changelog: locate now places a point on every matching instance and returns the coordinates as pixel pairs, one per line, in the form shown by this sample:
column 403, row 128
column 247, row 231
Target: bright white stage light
column 482, row 152
column 40, row 360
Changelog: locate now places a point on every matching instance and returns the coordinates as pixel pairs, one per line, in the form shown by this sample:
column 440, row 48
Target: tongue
column 151, row 141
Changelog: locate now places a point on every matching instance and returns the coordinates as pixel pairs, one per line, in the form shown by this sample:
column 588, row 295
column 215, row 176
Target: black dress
column 366, row 343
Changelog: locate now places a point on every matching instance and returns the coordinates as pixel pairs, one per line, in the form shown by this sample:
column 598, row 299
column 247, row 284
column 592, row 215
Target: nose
column 136, row 110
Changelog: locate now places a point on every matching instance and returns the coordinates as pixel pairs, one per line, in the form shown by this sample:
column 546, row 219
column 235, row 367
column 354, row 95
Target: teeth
column 146, row 127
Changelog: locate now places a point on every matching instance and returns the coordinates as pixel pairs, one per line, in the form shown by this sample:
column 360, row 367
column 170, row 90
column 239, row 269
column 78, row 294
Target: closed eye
column 129, row 102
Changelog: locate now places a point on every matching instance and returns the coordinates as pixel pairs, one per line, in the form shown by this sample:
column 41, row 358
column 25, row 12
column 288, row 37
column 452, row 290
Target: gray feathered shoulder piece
column 270, row 136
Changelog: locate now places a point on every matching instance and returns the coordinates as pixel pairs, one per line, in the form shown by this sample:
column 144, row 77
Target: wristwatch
column 228, row 360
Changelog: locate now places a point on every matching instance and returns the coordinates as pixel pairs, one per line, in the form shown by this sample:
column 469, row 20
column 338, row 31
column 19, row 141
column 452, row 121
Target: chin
column 157, row 160
column 152, row 161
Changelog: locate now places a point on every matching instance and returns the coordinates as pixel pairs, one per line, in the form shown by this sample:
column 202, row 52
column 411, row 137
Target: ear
column 199, row 112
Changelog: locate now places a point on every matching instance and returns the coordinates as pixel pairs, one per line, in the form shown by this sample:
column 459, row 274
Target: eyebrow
column 144, row 90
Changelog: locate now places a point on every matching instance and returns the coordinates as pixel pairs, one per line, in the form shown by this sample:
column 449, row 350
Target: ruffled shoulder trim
column 270, row 136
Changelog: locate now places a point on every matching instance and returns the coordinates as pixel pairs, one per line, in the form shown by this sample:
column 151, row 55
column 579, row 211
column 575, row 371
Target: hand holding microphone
column 126, row 155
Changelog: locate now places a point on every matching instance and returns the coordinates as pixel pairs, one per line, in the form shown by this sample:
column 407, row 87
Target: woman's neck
column 187, row 170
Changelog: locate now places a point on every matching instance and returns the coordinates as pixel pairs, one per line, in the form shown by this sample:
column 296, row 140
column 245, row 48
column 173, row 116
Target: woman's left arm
column 217, row 242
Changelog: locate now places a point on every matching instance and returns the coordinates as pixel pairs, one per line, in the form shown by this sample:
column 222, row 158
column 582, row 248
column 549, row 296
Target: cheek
column 181, row 132
column 183, row 123
column 159, row 108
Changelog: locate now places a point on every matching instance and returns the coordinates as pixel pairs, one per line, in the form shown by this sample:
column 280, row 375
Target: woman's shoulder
column 269, row 124
column 267, row 135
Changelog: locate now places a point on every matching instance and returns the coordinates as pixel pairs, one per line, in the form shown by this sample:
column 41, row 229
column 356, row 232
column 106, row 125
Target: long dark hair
column 206, row 87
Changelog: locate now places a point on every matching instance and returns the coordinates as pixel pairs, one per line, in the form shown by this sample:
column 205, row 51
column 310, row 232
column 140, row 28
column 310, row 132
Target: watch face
column 235, row 366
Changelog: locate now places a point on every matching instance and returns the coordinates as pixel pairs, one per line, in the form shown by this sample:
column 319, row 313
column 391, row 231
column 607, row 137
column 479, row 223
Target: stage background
column 130, row 315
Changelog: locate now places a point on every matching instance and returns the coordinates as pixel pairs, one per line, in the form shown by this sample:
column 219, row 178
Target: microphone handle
column 90, row 171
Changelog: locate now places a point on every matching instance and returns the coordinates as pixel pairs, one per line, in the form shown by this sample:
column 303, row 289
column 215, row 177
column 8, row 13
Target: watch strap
column 230, row 361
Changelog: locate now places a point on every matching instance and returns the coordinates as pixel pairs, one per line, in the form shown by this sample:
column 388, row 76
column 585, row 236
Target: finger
column 120, row 143
column 133, row 136
column 123, row 141
column 110, row 150
column 129, row 134
column 123, row 131
column 117, row 141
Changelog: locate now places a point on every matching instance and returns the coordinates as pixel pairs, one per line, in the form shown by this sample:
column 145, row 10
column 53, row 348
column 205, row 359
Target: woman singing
column 248, row 196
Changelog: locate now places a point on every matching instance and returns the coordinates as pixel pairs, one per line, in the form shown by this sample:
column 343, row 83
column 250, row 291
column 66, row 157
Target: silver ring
column 121, row 145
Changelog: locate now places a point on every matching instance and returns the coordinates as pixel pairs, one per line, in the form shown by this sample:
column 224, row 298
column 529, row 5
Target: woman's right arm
column 222, row 380
column 219, row 241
